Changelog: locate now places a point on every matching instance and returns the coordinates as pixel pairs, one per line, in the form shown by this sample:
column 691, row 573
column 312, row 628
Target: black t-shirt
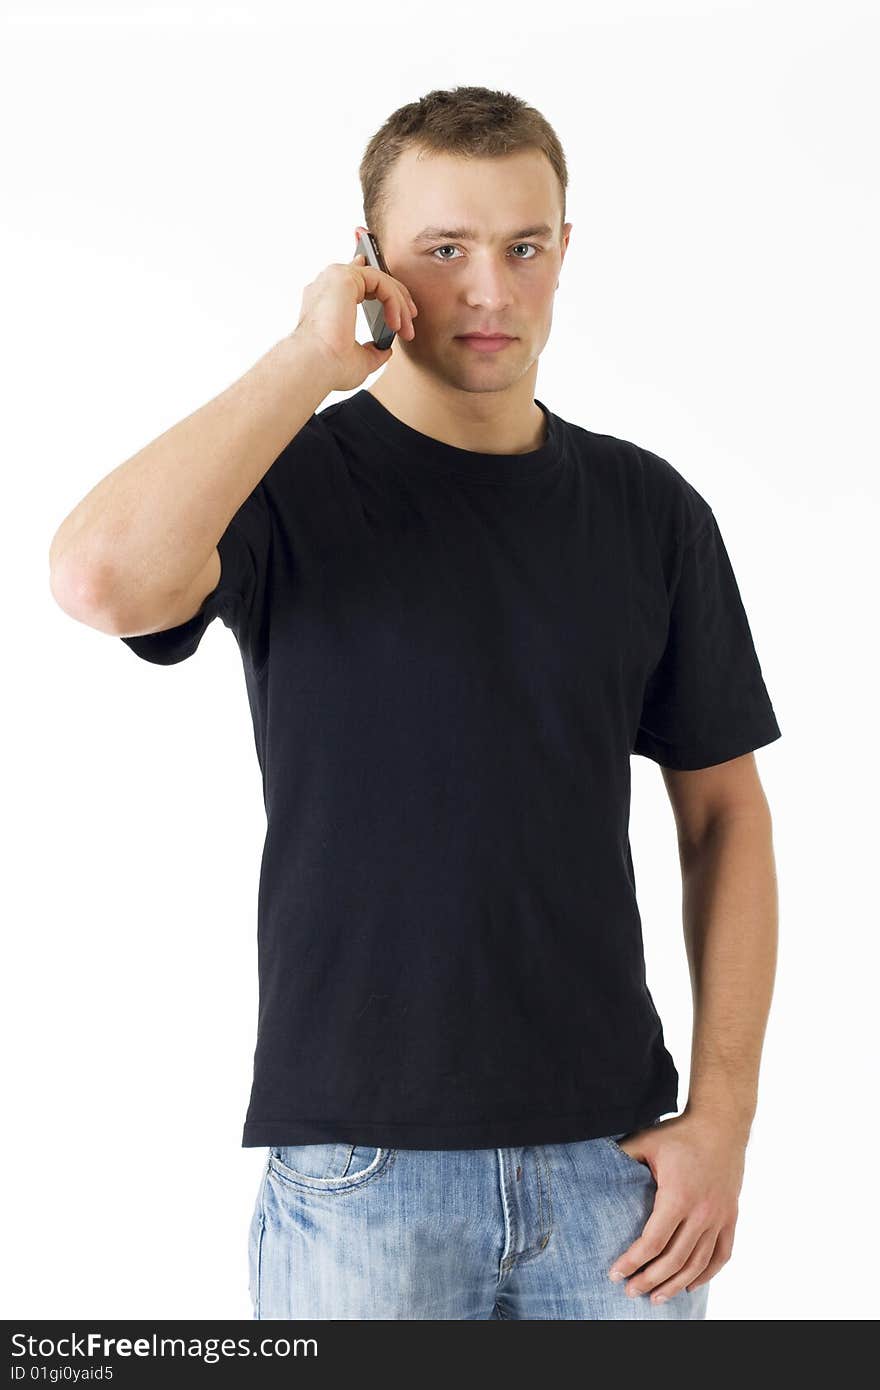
column 450, row 657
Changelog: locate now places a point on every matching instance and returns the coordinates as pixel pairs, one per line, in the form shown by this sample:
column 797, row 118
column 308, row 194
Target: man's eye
column 450, row 247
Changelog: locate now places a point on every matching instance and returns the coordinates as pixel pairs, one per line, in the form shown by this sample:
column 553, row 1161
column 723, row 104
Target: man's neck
column 484, row 422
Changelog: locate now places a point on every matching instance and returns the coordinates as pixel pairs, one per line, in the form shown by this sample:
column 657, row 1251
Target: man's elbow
column 84, row 593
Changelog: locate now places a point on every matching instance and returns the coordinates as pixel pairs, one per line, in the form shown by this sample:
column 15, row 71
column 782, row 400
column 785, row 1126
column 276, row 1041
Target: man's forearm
column 730, row 912
column 143, row 532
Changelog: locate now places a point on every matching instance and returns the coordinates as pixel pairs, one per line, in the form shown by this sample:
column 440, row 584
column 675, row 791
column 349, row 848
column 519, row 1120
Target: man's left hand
column 698, row 1164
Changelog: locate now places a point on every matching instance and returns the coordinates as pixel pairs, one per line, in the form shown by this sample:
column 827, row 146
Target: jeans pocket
column 613, row 1141
column 328, row 1167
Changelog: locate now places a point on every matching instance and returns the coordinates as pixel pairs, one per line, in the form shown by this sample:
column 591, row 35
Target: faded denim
column 341, row 1231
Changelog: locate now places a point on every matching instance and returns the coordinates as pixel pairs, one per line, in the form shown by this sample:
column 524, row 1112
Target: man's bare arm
column 730, row 925
column 730, row 914
column 139, row 552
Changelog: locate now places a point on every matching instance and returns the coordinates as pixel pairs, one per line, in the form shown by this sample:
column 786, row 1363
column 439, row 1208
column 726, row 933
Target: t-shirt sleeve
column 240, row 597
column 705, row 701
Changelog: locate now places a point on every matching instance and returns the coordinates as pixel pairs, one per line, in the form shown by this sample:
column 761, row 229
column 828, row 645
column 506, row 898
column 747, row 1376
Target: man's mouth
column 485, row 342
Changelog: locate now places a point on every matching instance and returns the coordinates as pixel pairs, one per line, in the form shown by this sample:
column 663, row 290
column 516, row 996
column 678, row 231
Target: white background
column 172, row 178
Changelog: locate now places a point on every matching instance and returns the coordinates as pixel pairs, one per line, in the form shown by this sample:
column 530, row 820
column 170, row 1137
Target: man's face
column 494, row 279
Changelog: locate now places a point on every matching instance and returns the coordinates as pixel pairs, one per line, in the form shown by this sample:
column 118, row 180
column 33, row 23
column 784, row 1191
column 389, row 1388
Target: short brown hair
column 461, row 121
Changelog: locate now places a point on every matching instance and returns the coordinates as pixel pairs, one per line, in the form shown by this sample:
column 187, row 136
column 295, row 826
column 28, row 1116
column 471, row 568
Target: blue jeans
column 343, row 1231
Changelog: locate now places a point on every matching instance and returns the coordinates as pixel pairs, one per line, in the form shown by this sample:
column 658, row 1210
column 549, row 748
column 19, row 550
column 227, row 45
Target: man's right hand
column 328, row 318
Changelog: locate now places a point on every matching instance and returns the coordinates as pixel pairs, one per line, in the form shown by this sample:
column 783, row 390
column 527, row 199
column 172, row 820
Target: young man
column 459, row 615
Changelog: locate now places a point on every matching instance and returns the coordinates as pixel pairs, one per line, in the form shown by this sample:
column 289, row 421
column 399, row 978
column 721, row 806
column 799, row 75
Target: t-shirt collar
column 435, row 456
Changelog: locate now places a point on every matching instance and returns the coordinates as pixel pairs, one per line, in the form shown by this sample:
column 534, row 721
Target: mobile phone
column 382, row 335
